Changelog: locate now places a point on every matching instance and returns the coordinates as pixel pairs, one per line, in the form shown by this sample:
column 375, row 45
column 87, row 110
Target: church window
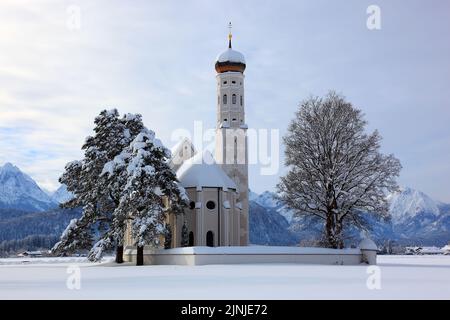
column 211, row 205
column 225, row 119
column 192, row 205
column 233, row 82
column 225, row 82
column 234, row 119
column 225, row 99
column 233, row 99
column 242, row 100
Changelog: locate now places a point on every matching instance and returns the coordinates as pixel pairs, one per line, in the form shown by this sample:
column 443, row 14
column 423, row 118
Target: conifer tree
column 149, row 190
column 97, row 197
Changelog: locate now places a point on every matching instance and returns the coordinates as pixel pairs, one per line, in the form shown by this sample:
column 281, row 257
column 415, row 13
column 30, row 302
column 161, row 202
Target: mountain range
column 416, row 219
column 27, row 210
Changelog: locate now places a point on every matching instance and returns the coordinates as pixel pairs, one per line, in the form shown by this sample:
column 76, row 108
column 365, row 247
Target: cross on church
column 229, row 34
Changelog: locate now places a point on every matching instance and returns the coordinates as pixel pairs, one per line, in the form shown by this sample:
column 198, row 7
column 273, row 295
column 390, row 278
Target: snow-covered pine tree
column 150, row 189
column 98, row 197
column 336, row 172
column 130, row 125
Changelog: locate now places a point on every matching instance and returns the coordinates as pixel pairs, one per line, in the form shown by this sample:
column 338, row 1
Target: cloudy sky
column 157, row 58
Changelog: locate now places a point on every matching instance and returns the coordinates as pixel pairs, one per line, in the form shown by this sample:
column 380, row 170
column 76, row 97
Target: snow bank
column 402, row 277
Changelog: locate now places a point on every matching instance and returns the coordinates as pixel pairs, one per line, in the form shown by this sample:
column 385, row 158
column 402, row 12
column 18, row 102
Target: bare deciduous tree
column 336, row 171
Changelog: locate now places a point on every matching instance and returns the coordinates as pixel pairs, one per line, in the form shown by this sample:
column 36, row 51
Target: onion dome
column 230, row 60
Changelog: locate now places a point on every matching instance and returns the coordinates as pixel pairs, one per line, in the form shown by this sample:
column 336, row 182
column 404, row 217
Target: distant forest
column 22, row 230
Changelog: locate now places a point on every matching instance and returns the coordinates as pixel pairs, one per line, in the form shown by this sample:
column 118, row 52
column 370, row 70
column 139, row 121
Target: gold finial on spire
column 229, row 35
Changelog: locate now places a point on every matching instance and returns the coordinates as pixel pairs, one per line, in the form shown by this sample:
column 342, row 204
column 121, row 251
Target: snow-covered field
column 401, row 277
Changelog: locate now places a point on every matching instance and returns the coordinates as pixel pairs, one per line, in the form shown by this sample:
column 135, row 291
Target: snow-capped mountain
column 20, row 191
column 408, row 203
column 61, row 194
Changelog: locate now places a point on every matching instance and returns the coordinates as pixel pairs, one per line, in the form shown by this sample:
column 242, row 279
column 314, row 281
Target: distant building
column 424, row 250
column 31, row 254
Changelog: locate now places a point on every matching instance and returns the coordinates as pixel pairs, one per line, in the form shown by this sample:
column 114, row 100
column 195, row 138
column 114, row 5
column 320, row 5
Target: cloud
column 157, row 57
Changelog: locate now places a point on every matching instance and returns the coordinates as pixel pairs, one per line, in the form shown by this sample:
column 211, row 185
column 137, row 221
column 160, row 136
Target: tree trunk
column 140, row 256
column 338, row 233
column 333, row 232
column 119, row 254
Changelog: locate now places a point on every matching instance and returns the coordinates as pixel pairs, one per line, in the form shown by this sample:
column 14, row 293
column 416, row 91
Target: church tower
column 231, row 129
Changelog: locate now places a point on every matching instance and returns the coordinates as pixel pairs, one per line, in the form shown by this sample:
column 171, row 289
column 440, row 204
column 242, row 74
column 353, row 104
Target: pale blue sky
column 157, row 58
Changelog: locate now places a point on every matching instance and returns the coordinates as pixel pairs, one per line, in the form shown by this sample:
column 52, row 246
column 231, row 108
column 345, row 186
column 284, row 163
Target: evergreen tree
column 97, row 196
column 124, row 178
column 149, row 189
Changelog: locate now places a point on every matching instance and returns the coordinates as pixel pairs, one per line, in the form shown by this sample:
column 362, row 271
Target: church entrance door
column 191, row 239
column 210, row 239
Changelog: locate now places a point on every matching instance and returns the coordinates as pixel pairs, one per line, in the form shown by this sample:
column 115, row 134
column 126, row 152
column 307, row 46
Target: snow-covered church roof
column 202, row 171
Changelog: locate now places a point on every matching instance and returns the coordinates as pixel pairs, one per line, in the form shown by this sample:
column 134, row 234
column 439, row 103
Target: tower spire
column 229, row 35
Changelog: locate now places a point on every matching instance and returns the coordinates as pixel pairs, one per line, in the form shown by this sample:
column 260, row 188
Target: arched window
column 210, row 239
column 242, row 100
column 233, row 99
column 224, row 99
column 192, row 205
column 191, row 239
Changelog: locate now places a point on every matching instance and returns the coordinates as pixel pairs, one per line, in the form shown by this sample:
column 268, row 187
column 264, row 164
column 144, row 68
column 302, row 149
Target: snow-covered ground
column 401, row 277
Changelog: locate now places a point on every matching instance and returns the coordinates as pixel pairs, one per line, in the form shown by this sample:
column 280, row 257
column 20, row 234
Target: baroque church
column 217, row 186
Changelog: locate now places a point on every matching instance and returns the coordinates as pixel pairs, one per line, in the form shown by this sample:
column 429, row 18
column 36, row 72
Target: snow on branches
column 146, row 179
column 336, row 171
column 123, row 177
